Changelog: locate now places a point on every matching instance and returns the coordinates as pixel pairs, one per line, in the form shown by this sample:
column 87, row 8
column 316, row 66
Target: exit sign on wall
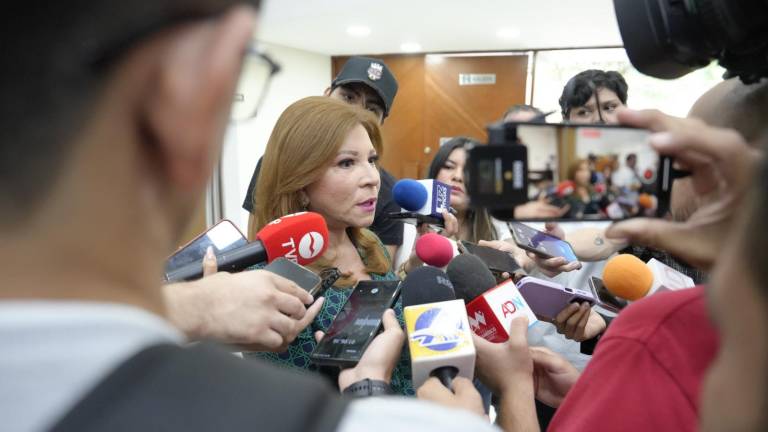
column 477, row 79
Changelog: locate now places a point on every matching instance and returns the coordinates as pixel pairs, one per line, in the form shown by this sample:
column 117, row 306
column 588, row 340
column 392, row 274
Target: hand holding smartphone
column 222, row 237
column 541, row 243
column 356, row 324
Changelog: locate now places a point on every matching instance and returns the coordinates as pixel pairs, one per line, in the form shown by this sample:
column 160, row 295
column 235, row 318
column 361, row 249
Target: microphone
column 434, row 250
column 299, row 237
column 490, row 308
column 439, row 338
column 423, row 200
column 627, row 277
column 565, row 188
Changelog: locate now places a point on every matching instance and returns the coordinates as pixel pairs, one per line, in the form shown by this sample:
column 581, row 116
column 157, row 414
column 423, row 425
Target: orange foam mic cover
column 628, row 277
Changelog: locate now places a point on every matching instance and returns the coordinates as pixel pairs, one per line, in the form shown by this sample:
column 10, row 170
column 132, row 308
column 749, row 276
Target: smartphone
column 302, row 276
column 358, row 322
column 497, row 261
column 592, row 172
column 223, row 236
column 541, row 243
column 547, row 299
column 606, row 299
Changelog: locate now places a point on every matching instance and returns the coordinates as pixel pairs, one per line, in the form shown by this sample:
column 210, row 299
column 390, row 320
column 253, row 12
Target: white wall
column 302, row 74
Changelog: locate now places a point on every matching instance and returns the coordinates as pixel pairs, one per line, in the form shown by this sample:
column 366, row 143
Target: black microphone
column 470, row 277
column 439, row 336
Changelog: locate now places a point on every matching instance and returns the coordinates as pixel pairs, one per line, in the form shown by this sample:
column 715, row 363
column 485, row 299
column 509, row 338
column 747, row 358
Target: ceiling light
column 358, row 31
column 508, row 33
column 410, row 47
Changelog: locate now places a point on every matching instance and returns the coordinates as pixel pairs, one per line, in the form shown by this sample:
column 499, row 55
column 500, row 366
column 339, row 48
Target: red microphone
column 565, row 188
column 299, row 237
column 434, row 250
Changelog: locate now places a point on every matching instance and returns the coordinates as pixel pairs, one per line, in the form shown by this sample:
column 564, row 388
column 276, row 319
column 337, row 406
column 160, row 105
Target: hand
column 553, row 376
column 721, row 165
column 579, row 322
column 539, row 209
column 257, row 309
column 501, row 366
column 552, row 267
column 508, row 246
column 381, row 356
column 464, row 395
column 210, row 264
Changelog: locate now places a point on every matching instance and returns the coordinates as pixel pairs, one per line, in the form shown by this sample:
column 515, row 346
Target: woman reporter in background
column 321, row 157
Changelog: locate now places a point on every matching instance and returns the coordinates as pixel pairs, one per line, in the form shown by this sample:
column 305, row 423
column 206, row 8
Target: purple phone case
column 547, row 299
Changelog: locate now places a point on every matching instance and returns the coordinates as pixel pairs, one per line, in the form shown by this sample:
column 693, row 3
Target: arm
column 258, row 309
column 591, row 244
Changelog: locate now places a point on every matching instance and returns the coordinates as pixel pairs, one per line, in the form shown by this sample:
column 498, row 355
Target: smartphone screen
column 496, row 260
column 589, row 172
column 607, row 300
column 356, row 324
column 223, row 236
column 302, row 276
column 541, row 243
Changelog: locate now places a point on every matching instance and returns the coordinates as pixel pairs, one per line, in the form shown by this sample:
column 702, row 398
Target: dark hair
column 481, row 227
column 57, row 55
column 582, row 87
column 514, row 109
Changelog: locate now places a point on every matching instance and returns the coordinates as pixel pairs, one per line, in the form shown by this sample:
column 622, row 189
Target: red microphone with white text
column 490, row 308
column 299, row 237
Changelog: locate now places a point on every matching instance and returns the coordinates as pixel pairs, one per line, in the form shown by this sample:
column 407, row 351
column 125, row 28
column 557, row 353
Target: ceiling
column 438, row 25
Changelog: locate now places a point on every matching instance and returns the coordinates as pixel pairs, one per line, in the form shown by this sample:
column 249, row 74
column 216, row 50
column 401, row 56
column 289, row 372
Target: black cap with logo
column 371, row 72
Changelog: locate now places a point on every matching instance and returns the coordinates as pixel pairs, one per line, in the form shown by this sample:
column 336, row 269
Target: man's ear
column 191, row 95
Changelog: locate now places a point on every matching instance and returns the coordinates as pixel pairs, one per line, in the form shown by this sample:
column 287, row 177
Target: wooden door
column 432, row 104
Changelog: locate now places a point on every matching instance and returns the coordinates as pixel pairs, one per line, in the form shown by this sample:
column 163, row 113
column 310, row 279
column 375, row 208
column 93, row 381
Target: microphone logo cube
column 438, row 198
column 439, row 335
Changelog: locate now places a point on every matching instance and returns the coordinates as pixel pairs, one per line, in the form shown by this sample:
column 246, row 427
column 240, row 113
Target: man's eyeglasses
column 258, row 70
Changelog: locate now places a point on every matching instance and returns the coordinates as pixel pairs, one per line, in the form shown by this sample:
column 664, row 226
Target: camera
column 670, row 38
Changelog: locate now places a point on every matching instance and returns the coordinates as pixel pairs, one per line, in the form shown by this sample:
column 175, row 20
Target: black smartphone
column 302, row 276
column 592, row 172
column 497, row 261
column 541, row 243
column 223, row 236
column 356, row 324
column 607, row 300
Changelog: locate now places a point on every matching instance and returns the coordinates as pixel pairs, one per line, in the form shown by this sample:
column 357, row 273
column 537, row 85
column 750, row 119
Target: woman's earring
column 304, row 202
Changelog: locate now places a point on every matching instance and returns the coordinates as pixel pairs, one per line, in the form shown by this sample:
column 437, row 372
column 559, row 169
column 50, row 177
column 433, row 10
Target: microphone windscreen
column 645, row 201
column 434, row 250
column 565, row 188
column 470, row 277
column 299, row 237
column 409, row 194
column 426, row 285
column 628, row 277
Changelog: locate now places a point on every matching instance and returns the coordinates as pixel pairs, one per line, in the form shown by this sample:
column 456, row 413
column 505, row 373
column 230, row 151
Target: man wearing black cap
column 368, row 83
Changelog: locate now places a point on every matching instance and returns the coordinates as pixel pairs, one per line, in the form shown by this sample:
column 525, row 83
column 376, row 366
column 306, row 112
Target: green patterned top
column 297, row 355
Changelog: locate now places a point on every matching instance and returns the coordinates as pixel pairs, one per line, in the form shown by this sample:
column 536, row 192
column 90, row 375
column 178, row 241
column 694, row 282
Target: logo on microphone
column 437, row 330
column 310, row 245
column 477, row 321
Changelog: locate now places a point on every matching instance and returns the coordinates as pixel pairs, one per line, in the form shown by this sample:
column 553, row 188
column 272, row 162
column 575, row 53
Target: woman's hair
column 481, row 227
column 583, row 86
column 574, row 167
column 303, row 145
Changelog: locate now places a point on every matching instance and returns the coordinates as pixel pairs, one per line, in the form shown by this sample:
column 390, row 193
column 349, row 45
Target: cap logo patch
column 375, row 70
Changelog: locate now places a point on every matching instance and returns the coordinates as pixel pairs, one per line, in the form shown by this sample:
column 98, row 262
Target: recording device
column 627, row 277
column 541, row 243
column 439, row 336
column 303, row 277
column 300, row 237
column 423, row 201
column 498, row 262
column 490, row 308
column 356, row 324
column 547, row 299
column 668, row 39
column 434, row 250
column 222, row 237
column 607, row 300
column 497, row 174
